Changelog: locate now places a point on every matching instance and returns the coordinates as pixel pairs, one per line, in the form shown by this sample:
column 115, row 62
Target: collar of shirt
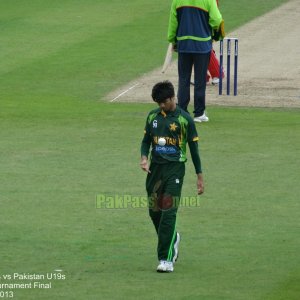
column 174, row 113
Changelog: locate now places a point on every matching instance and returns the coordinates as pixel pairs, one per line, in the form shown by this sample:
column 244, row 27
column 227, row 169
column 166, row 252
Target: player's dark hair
column 163, row 91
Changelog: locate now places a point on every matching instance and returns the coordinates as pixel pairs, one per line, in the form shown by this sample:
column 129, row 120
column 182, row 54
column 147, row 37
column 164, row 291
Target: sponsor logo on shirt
column 165, row 149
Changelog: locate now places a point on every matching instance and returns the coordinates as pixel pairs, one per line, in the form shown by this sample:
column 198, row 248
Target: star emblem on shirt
column 173, row 127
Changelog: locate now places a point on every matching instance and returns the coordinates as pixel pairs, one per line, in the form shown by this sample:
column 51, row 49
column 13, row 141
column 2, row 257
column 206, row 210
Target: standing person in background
column 190, row 31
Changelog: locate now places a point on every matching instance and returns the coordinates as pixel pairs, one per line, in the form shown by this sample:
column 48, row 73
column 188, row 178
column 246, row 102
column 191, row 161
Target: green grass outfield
column 61, row 146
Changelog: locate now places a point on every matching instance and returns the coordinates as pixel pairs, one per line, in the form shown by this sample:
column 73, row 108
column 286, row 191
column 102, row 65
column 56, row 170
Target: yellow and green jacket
column 191, row 23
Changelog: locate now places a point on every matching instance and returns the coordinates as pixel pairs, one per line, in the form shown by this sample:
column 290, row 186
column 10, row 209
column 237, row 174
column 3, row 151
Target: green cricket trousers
column 164, row 185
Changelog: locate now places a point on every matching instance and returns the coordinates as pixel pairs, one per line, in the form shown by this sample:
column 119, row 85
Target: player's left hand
column 219, row 33
column 200, row 184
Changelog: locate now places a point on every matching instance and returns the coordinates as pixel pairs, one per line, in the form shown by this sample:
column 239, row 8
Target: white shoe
column 215, row 81
column 202, row 118
column 165, row 266
column 176, row 247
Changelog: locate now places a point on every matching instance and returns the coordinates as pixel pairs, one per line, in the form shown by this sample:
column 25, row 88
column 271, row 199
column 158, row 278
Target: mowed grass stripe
column 79, row 60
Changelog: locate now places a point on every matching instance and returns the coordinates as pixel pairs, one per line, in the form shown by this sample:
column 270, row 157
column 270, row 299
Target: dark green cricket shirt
column 178, row 129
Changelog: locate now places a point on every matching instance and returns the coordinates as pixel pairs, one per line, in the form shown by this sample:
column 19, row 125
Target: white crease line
column 124, row 92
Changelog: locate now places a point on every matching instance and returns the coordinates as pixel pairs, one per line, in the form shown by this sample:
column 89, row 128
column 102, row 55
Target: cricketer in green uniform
column 168, row 129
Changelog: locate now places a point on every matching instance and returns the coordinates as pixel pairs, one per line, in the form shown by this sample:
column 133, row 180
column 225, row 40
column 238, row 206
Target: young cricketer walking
column 168, row 129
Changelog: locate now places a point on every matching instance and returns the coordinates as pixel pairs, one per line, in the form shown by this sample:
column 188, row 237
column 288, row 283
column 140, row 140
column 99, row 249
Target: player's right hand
column 144, row 165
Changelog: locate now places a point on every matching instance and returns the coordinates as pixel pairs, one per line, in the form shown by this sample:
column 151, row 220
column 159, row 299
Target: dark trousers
column 164, row 185
column 185, row 66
